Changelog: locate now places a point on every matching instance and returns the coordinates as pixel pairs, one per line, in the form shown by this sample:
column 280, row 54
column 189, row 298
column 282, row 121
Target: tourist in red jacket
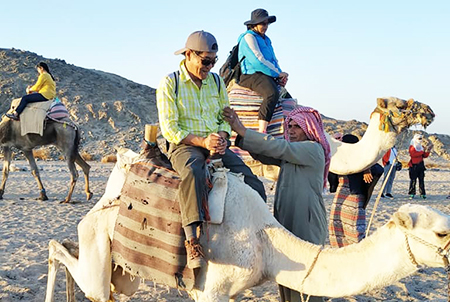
column 417, row 166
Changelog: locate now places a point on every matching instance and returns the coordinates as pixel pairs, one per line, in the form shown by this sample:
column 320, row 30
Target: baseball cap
column 200, row 41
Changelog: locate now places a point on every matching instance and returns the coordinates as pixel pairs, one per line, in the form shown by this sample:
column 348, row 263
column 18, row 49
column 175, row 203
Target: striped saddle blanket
column 246, row 103
column 148, row 237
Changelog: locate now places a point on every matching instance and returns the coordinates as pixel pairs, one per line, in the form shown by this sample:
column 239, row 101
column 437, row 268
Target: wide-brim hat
column 259, row 16
column 200, row 41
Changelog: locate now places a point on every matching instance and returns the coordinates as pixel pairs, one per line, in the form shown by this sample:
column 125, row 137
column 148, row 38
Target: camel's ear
column 381, row 102
column 403, row 220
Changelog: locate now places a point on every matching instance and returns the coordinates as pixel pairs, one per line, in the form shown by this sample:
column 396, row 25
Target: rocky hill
column 112, row 111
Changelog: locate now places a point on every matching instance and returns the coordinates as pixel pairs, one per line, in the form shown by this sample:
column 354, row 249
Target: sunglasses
column 207, row 61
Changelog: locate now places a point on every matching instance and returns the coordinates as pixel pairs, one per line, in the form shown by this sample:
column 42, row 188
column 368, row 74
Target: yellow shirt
column 195, row 111
column 45, row 86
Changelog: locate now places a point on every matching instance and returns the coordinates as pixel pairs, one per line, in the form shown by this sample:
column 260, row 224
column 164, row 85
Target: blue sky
column 340, row 55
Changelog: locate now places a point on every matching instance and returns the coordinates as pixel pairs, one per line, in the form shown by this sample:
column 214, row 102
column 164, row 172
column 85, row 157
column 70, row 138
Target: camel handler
column 190, row 114
column 304, row 159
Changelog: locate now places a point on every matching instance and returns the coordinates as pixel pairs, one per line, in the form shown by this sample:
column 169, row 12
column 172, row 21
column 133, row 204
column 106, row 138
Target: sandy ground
column 27, row 225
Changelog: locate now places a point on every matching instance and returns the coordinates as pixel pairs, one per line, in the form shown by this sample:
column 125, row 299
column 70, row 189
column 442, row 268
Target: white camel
column 391, row 117
column 251, row 247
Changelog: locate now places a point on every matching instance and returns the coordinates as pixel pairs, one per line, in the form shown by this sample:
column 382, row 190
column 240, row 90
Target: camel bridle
column 443, row 252
column 386, row 116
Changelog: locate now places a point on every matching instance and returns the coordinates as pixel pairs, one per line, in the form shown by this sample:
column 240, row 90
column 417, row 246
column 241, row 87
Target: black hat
column 259, row 16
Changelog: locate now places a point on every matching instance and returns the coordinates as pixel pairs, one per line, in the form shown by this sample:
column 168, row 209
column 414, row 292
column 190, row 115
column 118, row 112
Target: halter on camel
column 443, row 252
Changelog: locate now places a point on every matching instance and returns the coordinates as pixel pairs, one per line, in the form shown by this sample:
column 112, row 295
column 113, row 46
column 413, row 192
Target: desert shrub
column 87, row 156
column 42, row 154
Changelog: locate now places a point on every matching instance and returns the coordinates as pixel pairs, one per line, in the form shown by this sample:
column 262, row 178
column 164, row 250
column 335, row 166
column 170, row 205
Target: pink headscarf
column 310, row 121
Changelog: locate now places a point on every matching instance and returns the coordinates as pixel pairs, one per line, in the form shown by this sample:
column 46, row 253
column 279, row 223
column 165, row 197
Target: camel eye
column 441, row 235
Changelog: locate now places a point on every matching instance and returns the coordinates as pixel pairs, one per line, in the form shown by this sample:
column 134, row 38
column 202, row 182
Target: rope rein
column 443, row 252
column 309, row 272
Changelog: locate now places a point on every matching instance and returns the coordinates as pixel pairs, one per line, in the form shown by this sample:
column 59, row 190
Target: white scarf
column 417, row 142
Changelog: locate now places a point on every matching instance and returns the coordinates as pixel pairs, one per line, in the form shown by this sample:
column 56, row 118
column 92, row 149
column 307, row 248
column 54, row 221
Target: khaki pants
column 190, row 163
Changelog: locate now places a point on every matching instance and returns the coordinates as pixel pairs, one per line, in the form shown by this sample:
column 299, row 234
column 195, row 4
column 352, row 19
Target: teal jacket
column 267, row 63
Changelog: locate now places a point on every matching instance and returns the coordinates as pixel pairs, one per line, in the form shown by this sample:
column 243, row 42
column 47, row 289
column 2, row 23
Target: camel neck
column 374, row 262
column 346, row 158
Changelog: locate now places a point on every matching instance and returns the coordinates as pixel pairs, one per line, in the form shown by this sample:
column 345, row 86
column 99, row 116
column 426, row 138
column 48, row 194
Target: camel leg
column 85, row 167
column 53, row 266
column 70, row 287
column 7, row 154
column 73, row 178
column 92, row 271
column 35, row 172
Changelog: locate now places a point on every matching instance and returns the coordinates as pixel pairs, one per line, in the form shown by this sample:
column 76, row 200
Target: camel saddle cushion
column 33, row 116
column 246, row 103
column 148, row 238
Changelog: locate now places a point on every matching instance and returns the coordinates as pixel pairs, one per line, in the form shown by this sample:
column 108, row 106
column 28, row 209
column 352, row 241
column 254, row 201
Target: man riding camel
column 190, row 103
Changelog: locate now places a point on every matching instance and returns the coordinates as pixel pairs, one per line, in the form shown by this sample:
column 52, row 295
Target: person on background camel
column 304, row 159
column 190, row 114
column 260, row 70
column 42, row 91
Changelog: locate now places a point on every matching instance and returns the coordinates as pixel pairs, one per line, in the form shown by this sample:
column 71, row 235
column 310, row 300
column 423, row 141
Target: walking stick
column 379, row 195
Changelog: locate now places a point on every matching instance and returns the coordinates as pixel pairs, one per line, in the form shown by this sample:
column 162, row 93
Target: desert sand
column 27, row 225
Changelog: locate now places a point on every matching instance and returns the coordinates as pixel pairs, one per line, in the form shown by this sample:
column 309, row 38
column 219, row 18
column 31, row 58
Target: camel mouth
column 419, row 114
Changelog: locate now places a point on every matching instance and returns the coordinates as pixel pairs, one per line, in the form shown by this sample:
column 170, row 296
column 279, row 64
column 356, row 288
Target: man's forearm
column 194, row 140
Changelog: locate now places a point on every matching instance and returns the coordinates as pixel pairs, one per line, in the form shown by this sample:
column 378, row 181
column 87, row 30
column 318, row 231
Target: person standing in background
column 417, row 165
column 347, row 223
column 388, row 160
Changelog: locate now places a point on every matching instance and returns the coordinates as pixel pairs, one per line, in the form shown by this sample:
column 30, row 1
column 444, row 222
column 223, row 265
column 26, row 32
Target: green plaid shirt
column 195, row 111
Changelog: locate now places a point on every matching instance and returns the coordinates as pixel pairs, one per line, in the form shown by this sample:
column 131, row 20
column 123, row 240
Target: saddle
column 32, row 119
column 148, row 238
column 33, row 116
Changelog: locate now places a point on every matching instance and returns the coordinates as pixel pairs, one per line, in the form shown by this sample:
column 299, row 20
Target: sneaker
column 12, row 116
column 411, row 196
column 195, row 256
column 423, row 196
column 382, row 195
column 389, row 195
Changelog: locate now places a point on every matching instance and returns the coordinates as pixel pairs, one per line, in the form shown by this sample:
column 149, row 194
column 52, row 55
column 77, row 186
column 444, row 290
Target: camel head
column 399, row 115
column 426, row 230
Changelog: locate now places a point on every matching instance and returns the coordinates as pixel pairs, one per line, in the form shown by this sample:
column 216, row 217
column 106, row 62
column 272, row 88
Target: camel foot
column 65, row 201
column 89, row 195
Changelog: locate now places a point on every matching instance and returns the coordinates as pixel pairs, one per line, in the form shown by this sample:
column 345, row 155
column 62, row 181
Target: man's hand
column 232, row 118
column 215, row 143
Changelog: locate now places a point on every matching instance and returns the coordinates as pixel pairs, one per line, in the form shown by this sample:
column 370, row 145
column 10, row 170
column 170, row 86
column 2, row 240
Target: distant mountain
column 112, row 111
